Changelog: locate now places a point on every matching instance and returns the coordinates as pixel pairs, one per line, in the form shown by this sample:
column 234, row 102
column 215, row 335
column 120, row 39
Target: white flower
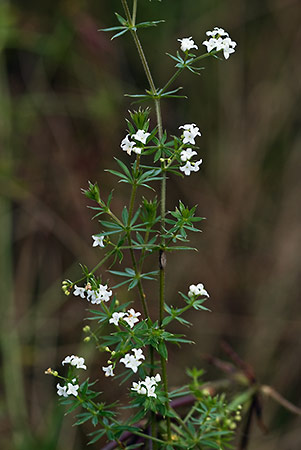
column 131, row 317
column 127, row 145
column 191, row 131
column 191, row 167
column 187, row 44
column 220, row 40
column 91, row 295
column 76, row 361
column 148, row 386
column 98, row 240
column 67, row 360
column 187, row 154
column 108, row 371
column 196, row 165
column 104, row 293
column 116, row 317
column 61, row 390
column 141, row 136
column 228, row 47
column 72, row 389
column 151, row 392
column 99, row 295
column 138, row 353
column 133, row 361
column 198, row 289
column 187, row 169
column 79, row 291
column 139, row 388
column 217, row 32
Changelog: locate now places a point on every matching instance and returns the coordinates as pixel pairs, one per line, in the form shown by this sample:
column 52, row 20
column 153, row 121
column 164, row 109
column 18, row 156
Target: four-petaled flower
column 72, row 389
column 195, row 290
column 133, row 361
column 187, row 154
column 141, row 136
column 61, row 390
column 98, row 240
column 108, row 371
column 191, row 131
column 131, row 317
column 79, row 291
column 187, row 44
column 129, row 146
column 116, row 317
column 191, row 167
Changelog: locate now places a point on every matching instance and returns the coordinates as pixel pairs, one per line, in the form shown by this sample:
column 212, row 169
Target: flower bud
column 86, row 329
column 87, row 339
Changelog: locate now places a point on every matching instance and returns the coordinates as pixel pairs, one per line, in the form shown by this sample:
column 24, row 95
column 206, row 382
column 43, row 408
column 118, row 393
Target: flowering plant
column 138, row 343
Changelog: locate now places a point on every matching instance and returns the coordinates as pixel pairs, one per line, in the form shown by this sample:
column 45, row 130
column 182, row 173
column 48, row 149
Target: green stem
column 163, row 186
column 134, row 12
column 179, row 71
column 172, row 79
column 134, row 262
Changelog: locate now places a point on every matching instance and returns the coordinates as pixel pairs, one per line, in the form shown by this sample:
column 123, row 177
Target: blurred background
column 62, row 110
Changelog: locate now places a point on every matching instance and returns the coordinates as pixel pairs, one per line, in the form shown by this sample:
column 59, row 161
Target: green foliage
column 141, row 231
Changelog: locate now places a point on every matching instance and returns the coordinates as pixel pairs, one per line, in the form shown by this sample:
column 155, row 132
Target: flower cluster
column 130, row 146
column 147, row 387
column 220, row 40
column 70, row 389
column 95, row 296
column 133, row 361
column 131, row 317
column 75, row 361
column 191, row 131
column 197, row 290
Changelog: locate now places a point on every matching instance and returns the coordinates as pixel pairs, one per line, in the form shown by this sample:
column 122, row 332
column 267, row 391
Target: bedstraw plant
column 137, row 344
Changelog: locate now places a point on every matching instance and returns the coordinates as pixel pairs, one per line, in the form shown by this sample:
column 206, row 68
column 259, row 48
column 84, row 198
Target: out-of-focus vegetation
column 61, row 122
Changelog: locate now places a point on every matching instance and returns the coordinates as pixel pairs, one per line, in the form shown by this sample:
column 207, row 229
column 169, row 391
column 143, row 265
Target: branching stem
column 163, row 186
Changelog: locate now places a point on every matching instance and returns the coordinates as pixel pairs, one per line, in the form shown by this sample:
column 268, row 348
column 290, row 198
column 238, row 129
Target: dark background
column 62, row 115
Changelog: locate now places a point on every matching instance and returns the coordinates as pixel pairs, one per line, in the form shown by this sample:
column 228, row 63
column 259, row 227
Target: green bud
column 140, row 118
column 86, row 329
column 92, row 192
column 87, row 339
column 113, row 353
column 107, row 349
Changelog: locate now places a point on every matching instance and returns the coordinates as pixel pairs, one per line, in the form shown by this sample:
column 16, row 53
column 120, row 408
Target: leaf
column 162, row 349
column 97, row 435
column 121, row 19
column 153, row 23
column 119, row 34
column 125, row 216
